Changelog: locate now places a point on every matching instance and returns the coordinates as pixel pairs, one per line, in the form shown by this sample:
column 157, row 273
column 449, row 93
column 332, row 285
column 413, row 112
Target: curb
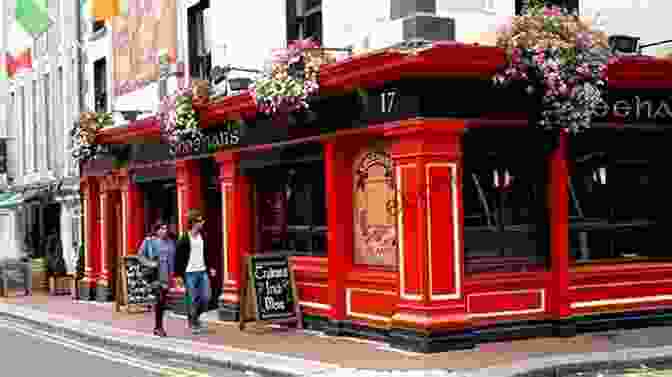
column 541, row 366
column 224, row 360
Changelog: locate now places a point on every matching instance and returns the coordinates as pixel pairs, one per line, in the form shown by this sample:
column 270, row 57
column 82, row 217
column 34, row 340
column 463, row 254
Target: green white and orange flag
column 33, row 16
column 106, row 9
column 6, row 67
column 11, row 64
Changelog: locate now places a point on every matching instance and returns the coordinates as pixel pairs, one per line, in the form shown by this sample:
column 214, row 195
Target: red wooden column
column 431, row 312
column 133, row 214
column 236, row 232
column 89, row 188
column 338, row 157
column 559, row 223
column 104, row 212
column 189, row 189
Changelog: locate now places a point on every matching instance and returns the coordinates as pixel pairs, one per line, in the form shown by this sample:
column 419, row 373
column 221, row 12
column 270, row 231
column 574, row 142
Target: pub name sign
column 211, row 139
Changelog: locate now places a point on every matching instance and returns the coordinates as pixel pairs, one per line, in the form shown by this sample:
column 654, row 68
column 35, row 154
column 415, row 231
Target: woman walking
column 159, row 251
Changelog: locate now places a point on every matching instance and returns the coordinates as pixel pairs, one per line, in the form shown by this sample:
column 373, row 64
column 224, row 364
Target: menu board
column 138, row 281
column 270, row 294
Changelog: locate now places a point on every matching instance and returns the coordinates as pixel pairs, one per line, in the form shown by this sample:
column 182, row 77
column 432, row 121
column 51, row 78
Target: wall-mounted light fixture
column 600, row 175
column 502, row 179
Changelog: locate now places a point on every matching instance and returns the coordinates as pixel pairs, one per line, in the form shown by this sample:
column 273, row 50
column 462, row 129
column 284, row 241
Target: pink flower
column 552, row 11
column 280, row 55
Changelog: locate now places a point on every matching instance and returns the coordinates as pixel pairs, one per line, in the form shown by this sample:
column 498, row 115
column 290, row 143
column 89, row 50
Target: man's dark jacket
column 183, row 252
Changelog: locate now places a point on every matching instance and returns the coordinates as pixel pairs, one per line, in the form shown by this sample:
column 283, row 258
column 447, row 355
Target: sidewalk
column 288, row 352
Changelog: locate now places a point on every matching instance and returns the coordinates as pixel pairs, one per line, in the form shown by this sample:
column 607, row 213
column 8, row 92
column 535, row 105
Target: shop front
column 421, row 207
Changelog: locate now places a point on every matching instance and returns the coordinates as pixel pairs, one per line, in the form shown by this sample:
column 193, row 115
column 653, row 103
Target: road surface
column 31, row 352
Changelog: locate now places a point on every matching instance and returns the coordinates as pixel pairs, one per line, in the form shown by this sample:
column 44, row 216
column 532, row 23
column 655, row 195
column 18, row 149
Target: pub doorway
column 114, row 242
column 160, row 204
column 212, row 203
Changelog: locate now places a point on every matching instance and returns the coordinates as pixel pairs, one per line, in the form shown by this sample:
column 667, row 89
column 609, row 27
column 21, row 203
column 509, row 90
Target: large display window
column 617, row 191
column 504, row 197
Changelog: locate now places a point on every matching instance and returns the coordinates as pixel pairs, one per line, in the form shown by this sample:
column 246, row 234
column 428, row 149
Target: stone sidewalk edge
column 227, row 362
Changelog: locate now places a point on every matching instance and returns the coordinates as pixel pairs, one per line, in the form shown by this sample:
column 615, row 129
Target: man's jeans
column 198, row 285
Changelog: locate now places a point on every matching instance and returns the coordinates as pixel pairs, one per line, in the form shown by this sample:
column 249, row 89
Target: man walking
column 191, row 264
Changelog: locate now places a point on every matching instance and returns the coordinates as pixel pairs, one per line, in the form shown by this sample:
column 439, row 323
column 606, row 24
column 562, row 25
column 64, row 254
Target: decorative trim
column 400, row 235
column 625, row 284
column 541, row 309
column 456, row 231
column 103, row 232
column 225, row 234
column 372, row 317
column 315, row 305
column 124, row 222
column 616, row 301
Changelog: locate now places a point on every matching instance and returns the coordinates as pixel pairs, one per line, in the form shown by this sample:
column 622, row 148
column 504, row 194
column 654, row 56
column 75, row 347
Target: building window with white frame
column 304, row 19
column 47, row 120
column 200, row 56
column 36, row 123
column 22, row 131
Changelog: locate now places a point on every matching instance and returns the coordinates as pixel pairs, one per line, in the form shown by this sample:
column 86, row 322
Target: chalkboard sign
column 270, row 293
column 138, row 279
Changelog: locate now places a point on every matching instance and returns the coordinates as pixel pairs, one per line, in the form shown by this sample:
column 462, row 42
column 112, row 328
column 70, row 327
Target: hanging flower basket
column 292, row 80
column 559, row 58
column 84, row 135
column 179, row 120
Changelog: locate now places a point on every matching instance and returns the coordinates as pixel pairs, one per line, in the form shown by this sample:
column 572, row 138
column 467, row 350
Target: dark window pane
column 505, row 228
column 620, row 191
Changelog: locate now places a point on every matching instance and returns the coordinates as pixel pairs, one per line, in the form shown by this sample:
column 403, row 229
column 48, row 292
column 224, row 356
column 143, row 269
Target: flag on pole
column 106, row 9
column 33, row 16
column 5, row 66
column 11, row 64
column 22, row 61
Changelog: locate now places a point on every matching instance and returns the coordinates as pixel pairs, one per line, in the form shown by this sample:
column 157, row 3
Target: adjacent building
column 41, row 180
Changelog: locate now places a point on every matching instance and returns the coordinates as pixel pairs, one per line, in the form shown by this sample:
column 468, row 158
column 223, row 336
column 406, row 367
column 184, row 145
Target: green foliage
column 81, row 262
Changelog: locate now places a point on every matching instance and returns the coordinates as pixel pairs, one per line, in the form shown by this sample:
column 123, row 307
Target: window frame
column 309, row 179
column 200, row 62
column 100, row 85
column 298, row 14
column 510, row 236
column 608, row 221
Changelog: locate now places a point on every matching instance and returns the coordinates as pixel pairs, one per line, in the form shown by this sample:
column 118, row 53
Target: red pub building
column 420, row 205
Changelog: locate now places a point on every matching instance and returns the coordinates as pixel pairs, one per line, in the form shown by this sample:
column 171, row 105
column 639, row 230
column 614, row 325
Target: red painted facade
column 429, row 292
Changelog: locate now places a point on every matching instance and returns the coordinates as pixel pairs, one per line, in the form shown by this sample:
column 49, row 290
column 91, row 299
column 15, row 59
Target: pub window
column 375, row 230
column 198, row 18
column 505, row 217
column 291, row 208
column 618, row 195
column 304, row 19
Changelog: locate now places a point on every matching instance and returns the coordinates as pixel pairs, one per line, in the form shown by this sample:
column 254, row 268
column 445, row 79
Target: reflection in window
column 505, row 217
column 291, row 208
column 616, row 209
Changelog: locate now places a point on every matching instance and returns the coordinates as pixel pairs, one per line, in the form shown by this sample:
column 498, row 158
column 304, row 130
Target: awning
column 10, row 199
